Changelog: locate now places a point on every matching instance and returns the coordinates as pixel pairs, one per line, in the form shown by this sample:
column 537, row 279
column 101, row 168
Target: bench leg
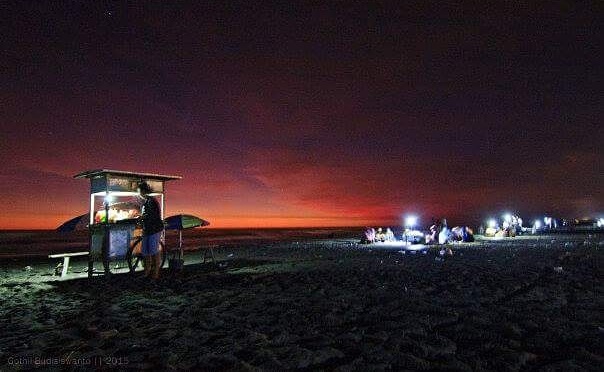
column 65, row 266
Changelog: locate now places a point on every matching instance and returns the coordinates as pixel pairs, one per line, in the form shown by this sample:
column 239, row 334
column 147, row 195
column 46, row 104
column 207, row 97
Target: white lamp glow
column 410, row 221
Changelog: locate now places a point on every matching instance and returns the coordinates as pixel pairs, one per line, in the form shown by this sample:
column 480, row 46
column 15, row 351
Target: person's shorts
column 151, row 244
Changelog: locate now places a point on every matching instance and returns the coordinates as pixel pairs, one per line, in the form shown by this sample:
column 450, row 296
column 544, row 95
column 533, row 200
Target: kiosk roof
column 149, row 176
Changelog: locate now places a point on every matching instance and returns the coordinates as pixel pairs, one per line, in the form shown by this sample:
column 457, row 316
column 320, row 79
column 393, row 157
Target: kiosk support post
column 106, row 241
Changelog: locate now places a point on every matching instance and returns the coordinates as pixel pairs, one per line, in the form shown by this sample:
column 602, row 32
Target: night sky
column 304, row 113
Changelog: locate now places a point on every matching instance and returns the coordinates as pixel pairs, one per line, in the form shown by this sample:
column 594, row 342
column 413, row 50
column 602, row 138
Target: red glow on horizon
column 285, row 192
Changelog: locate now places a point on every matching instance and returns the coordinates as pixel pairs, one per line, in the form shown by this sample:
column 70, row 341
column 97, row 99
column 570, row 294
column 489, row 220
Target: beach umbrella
column 184, row 221
column 75, row 224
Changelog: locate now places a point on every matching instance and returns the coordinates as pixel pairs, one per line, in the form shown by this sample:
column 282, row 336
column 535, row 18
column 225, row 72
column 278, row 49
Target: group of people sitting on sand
column 438, row 233
column 510, row 227
column 380, row 235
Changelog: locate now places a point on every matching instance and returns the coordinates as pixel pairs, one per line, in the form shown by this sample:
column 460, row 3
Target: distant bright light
column 109, row 198
column 507, row 217
column 492, row 223
column 601, row 222
column 410, row 221
column 547, row 220
column 537, row 224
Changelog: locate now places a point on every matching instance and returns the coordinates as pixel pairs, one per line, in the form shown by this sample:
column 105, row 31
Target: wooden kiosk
column 115, row 208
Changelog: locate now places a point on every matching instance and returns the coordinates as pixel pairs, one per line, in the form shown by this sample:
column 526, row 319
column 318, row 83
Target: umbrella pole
column 180, row 253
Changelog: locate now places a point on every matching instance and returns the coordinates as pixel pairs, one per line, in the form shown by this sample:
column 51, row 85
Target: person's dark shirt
column 151, row 217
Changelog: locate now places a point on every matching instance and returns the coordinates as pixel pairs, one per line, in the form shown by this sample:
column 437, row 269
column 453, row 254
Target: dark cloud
column 308, row 113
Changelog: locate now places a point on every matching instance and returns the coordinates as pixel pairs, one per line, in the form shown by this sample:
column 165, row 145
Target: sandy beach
column 327, row 304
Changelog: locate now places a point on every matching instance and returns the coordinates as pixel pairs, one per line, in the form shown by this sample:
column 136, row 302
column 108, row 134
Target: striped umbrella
column 184, row 221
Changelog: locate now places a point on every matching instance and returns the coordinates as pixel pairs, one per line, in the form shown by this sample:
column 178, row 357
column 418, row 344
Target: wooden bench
column 66, row 257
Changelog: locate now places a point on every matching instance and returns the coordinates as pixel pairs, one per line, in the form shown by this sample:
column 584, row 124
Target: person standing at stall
column 153, row 226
